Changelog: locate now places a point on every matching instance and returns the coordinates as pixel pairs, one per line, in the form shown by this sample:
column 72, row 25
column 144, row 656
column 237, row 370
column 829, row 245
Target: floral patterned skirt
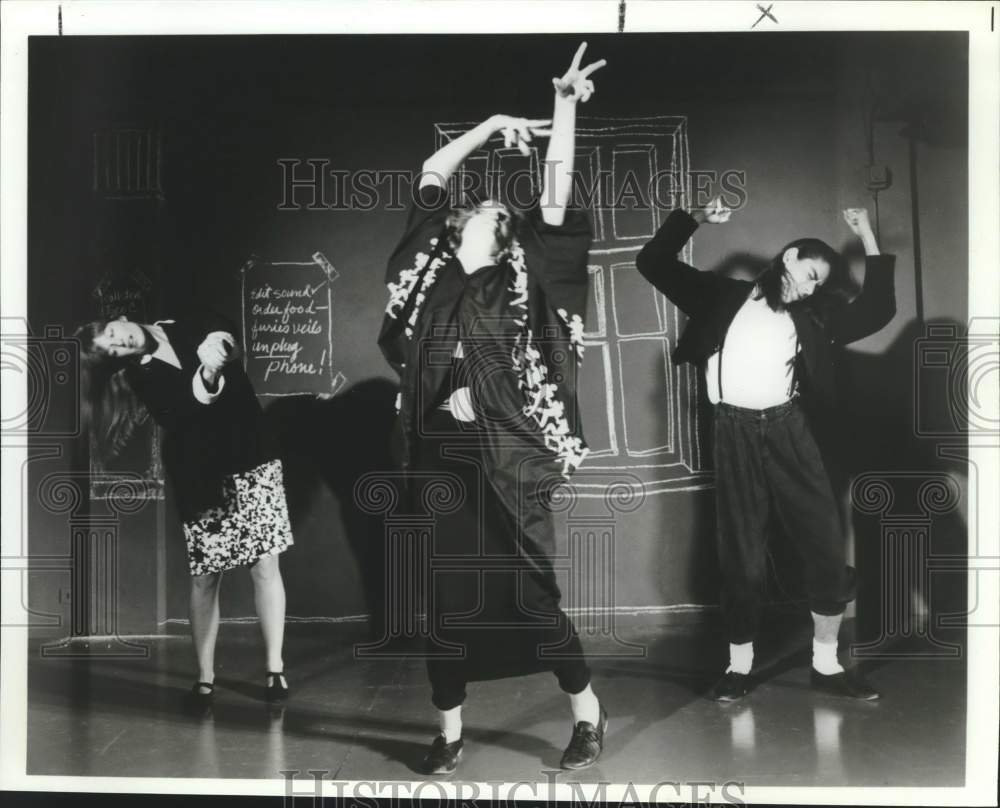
column 251, row 523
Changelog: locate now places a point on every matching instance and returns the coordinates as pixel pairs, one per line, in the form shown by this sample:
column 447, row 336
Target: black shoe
column 731, row 687
column 442, row 757
column 195, row 699
column 587, row 743
column 277, row 691
column 847, row 683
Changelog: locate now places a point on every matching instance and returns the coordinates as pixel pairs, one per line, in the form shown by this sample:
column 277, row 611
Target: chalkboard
column 287, row 326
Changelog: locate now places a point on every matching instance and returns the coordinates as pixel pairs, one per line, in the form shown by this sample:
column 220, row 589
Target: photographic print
column 597, row 404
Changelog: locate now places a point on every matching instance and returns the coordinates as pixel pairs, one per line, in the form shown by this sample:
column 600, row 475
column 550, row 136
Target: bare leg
column 205, row 622
column 269, row 598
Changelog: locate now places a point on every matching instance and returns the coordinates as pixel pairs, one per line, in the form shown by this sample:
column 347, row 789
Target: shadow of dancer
column 334, row 442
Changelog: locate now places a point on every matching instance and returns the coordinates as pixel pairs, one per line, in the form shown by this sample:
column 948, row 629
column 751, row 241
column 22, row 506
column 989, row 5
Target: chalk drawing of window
column 640, row 412
column 127, row 163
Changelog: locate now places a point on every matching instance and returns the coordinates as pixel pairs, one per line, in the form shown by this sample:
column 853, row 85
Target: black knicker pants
column 768, row 459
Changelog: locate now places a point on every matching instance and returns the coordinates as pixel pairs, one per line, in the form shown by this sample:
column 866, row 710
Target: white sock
column 740, row 658
column 825, row 657
column 585, row 706
column 451, row 723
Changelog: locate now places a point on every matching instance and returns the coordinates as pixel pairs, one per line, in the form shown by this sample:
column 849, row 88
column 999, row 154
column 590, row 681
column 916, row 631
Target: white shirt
column 757, row 358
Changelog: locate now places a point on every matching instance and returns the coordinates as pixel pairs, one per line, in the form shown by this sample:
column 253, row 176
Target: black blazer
column 202, row 443
column 711, row 301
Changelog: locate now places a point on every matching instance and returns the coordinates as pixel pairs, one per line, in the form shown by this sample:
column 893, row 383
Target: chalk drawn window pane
column 632, row 171
column 471, row 178
column 587, row 188
column 518, row 176
column 644, row 364
column 636, row 307
column 596, row 320
column 597, row 401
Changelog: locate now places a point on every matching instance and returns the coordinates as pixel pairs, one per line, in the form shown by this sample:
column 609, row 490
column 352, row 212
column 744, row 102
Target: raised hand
column 575, row 85
column 714, row 212
column 857, row 220
column 519, row 131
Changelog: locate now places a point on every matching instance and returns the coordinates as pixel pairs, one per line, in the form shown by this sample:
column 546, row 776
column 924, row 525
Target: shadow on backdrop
column 334, row 442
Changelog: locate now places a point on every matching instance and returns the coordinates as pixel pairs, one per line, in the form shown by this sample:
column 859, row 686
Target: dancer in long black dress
column 503, row 296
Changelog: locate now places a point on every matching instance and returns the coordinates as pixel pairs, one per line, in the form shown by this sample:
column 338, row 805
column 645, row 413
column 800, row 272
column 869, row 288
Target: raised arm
column 875, row 306
column 575, row 85
column 440, row 166
column 686, row 287
column 857, row 220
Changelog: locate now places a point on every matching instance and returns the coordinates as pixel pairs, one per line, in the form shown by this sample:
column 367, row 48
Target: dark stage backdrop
column 155, row 181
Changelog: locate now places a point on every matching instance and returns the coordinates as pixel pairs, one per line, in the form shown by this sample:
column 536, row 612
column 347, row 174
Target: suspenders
column 792, row 381
column 718, row 368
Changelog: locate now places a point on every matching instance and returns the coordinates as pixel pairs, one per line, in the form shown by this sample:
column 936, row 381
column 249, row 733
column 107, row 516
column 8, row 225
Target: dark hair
column 110, row 409
column 505, row 232
column 827, row 295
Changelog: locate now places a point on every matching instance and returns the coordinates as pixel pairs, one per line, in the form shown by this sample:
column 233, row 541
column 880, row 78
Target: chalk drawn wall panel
column 644, row 364
column 596, row 320
column 519, row 176
column 587, row 187
column 596, row 397
column 633, row 169
column 632, row 296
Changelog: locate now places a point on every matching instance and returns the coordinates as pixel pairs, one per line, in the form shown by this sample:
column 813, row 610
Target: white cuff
column 201, row 392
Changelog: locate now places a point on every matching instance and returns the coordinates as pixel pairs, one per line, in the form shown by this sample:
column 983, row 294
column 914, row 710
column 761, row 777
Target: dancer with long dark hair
column 221, row 459
column 765, row 346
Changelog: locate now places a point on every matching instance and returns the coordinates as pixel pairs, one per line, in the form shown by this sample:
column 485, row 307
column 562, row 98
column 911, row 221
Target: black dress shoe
column 442, row 757
column 731, row 687
column 587, row 743
column 200, row 696
column 847, row 683
column 277, row 691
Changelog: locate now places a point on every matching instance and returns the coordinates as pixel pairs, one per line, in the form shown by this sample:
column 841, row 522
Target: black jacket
column 711, row 301
column 202, row 443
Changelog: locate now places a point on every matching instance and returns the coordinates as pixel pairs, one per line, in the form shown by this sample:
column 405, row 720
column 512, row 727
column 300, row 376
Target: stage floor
column 371, row 719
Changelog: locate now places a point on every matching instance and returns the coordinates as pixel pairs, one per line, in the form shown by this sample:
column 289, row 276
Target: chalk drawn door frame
column 640, row 412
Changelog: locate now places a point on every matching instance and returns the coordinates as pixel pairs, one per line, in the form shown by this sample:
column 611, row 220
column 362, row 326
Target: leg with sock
column 740, row 658
column 826, row 631
column 585, row 706
column 742, row 507
column 827, row 674
column 448, row 694
column 450, row 723
column 590, row 719
column 808, row 511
